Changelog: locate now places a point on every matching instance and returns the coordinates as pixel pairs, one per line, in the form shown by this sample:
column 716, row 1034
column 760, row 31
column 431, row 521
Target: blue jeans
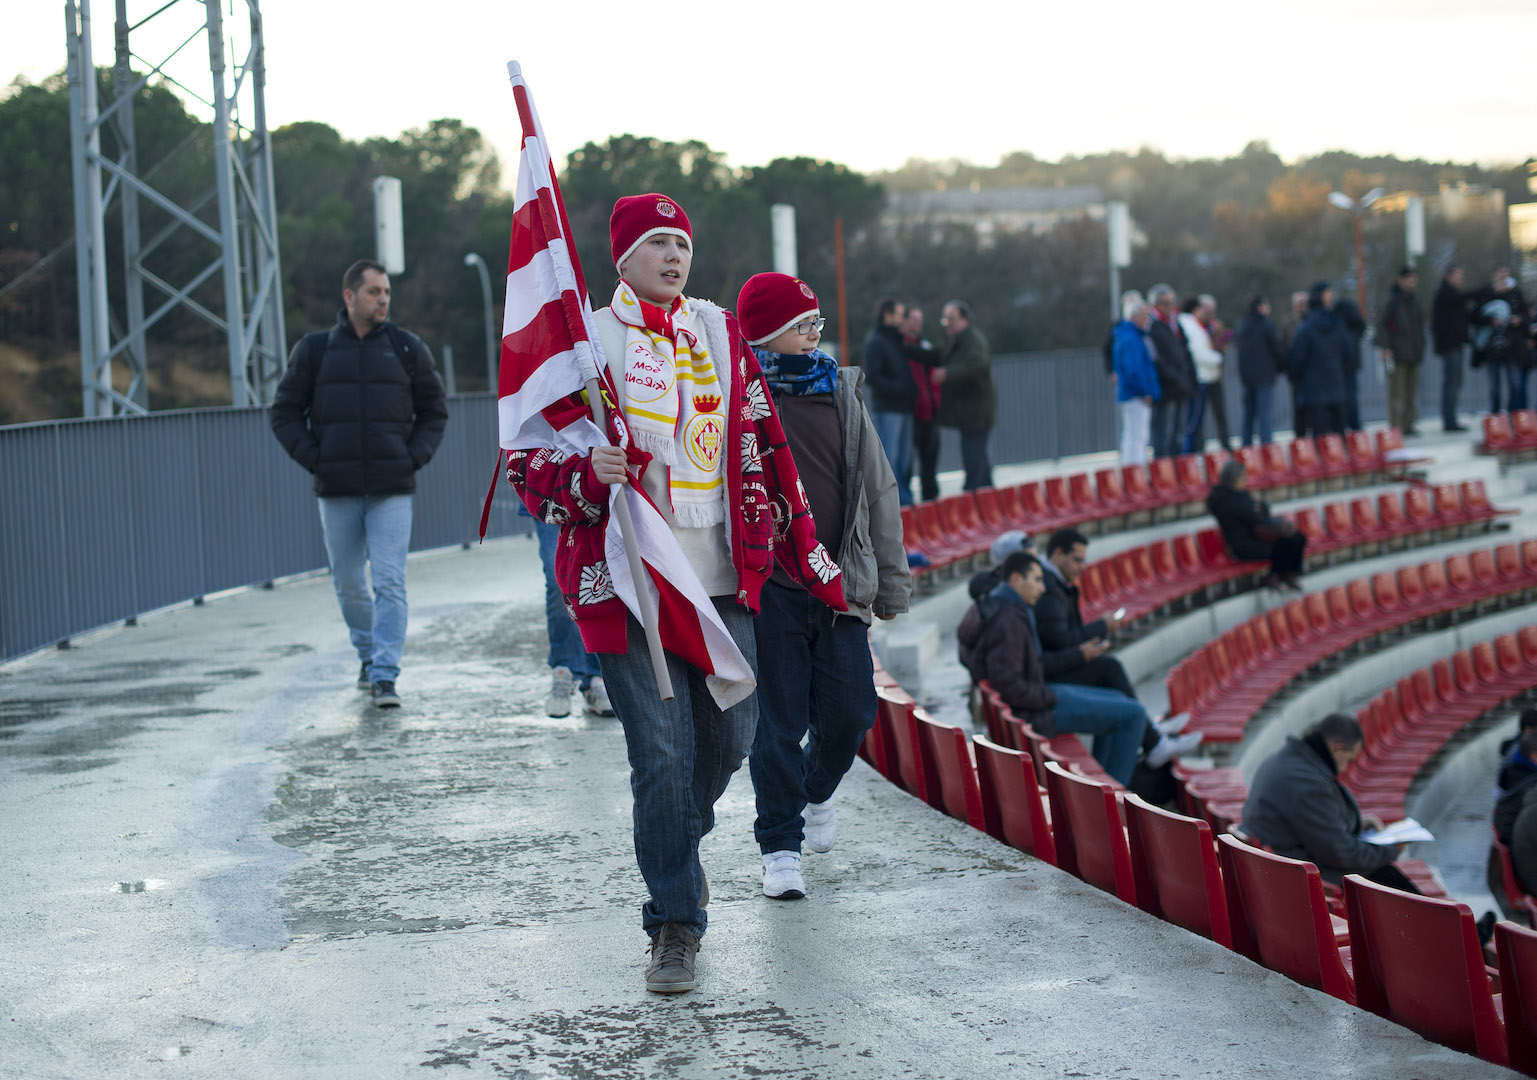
column 1259, row 411
column 682, row 755
column 816, row 676
column 372, row 531
column 896, row 432
column 1115, row 720
column 1513, row 376
column 566, row 649
column 1168, row 428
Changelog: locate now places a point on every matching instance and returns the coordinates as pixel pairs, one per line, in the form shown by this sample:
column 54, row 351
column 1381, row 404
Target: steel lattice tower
column 236, row 215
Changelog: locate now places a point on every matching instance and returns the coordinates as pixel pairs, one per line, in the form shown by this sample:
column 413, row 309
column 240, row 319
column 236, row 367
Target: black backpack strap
column 401, row 341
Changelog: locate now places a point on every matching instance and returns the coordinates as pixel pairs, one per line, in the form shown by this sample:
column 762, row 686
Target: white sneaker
column 821, row 825
column 1172, row 725
column 562, row 686
column 782, row 876
column 1170, row 747
column 596, row 696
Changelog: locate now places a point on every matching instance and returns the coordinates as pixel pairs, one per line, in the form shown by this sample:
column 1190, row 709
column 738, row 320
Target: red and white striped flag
column 550, row 349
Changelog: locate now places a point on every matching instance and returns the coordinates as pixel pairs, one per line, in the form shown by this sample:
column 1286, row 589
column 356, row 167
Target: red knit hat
column 637, row 218
column 769, row 304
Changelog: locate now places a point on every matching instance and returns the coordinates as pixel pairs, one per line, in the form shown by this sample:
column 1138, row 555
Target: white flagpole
column 644, row 597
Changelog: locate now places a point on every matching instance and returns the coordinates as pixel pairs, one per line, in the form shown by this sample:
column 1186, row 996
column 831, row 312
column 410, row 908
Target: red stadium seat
column 1523, row 423
column 1305, row 464
column 952, row 776
column 1174, row 870
column 1516, row 948
column 1499, row 437
column 1086, row 825
column 1013, row 810
column 1417, row 962
column 894, row 712
column 1280, row 918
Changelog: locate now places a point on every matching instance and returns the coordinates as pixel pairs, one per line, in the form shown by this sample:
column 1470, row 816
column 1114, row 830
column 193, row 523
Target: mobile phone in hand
column 1119, row 614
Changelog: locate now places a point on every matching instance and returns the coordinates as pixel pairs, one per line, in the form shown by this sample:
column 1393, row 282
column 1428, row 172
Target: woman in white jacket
column 1195, row 314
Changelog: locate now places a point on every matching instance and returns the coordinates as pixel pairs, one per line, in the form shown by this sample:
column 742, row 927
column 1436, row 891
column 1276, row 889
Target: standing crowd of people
column 916, row 389
column 1167, row 359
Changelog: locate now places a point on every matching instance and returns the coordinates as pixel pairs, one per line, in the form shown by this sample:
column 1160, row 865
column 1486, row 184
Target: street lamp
column 479, row 264
column 1358, row 207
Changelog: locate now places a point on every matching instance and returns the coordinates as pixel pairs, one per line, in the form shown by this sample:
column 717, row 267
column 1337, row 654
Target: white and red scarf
column 672, row 399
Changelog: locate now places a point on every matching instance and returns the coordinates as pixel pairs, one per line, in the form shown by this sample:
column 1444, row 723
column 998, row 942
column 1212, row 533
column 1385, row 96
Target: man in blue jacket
column 1136, row 379
column 361, row 408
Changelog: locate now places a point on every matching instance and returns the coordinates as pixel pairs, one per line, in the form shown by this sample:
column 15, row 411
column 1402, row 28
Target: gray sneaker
column 671, row 970
column 363, row 681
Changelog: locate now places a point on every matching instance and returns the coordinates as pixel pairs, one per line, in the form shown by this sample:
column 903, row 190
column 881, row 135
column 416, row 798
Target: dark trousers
column 1513, row 377
column 1394, row 878
column 1327, row 419
column 926, row 447
column 975, row 460
column 1286, row 554
column 1351, row 418
column 1209, row 399
column 1168, row 428
column 815, row 678
column 1451, row 385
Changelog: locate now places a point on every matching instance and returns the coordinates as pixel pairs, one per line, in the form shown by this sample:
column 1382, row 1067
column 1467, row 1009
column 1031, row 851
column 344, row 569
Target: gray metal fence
column 104, row 520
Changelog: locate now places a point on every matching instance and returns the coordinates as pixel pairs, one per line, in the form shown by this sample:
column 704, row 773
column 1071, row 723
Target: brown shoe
column 671, row 970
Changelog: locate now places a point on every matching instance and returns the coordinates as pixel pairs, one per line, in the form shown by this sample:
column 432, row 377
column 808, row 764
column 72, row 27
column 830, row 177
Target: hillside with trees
column 1234, row 227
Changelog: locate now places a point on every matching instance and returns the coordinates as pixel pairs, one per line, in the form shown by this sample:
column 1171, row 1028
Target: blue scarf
column 799, row 374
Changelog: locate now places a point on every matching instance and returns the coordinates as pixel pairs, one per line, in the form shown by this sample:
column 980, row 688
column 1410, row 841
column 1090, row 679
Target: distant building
column 1454, row 202
column 992, row 212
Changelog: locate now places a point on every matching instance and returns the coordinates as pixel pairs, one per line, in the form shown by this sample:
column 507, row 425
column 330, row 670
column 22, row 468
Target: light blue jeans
column 682, row 754
column 566, row 648
column 368, row 536
column 1115, row 720
column 896, row 432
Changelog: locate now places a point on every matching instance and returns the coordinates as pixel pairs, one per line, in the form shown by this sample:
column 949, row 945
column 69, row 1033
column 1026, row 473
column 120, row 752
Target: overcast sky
column 873, row 84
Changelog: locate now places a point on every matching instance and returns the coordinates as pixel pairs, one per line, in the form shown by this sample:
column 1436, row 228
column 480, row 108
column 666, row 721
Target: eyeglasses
column 809, row 325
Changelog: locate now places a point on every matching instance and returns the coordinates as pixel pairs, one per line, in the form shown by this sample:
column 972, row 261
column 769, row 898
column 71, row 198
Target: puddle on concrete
column 732, row 1039
column 65, row 766
column 485, row 632
column 126, row 671
column 233, row 673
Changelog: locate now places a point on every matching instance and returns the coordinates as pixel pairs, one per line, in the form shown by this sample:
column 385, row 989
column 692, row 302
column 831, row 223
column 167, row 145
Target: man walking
column 361, row 408
column 969, row 401
column 1401, row 341
column 892, row 391
column 1449, row 335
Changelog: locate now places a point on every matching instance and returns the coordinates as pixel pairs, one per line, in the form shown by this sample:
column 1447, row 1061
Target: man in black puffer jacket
column 361, row 408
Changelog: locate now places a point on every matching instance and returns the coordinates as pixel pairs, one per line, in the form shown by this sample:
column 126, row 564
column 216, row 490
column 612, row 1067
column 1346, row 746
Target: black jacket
column 890, row 380
column 1242, row 518
column 1171, row 356
column 996, row 644
column 357, row 414
column 1321, row 355
column 1058, row 619
column 1259, row 351
column 1449, row 319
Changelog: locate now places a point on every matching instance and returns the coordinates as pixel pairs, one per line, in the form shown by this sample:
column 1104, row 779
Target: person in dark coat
column 969, row 402
column 1298, row 808
column 1401, row 344
column 1176, row 373
column 1260, row 360
column 361, row 407
column 1354, row 321
column 1322, row 359
column 1251, row 532
column 893, row 391
column 1449, row 337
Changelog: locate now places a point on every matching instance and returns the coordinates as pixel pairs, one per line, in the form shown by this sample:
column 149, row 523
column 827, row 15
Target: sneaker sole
column 387, row 703
column 669, row 987
column 788, row 894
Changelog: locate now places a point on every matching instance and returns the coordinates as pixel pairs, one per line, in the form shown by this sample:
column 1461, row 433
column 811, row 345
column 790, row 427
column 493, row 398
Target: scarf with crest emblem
column 672, row 399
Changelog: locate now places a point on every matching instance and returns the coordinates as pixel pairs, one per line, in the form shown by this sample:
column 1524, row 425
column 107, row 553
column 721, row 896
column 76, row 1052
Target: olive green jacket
column 967, row 399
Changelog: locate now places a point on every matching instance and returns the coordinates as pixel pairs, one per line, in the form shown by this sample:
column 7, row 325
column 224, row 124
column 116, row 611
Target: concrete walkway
column 222, row 863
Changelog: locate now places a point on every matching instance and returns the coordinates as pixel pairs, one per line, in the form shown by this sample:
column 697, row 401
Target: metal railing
column 104, row 520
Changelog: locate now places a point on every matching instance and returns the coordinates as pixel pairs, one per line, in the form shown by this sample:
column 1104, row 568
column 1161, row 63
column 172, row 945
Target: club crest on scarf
column 706, row 432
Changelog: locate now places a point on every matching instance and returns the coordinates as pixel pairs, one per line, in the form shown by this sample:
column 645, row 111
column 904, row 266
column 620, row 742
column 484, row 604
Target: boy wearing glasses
column 816, row 675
